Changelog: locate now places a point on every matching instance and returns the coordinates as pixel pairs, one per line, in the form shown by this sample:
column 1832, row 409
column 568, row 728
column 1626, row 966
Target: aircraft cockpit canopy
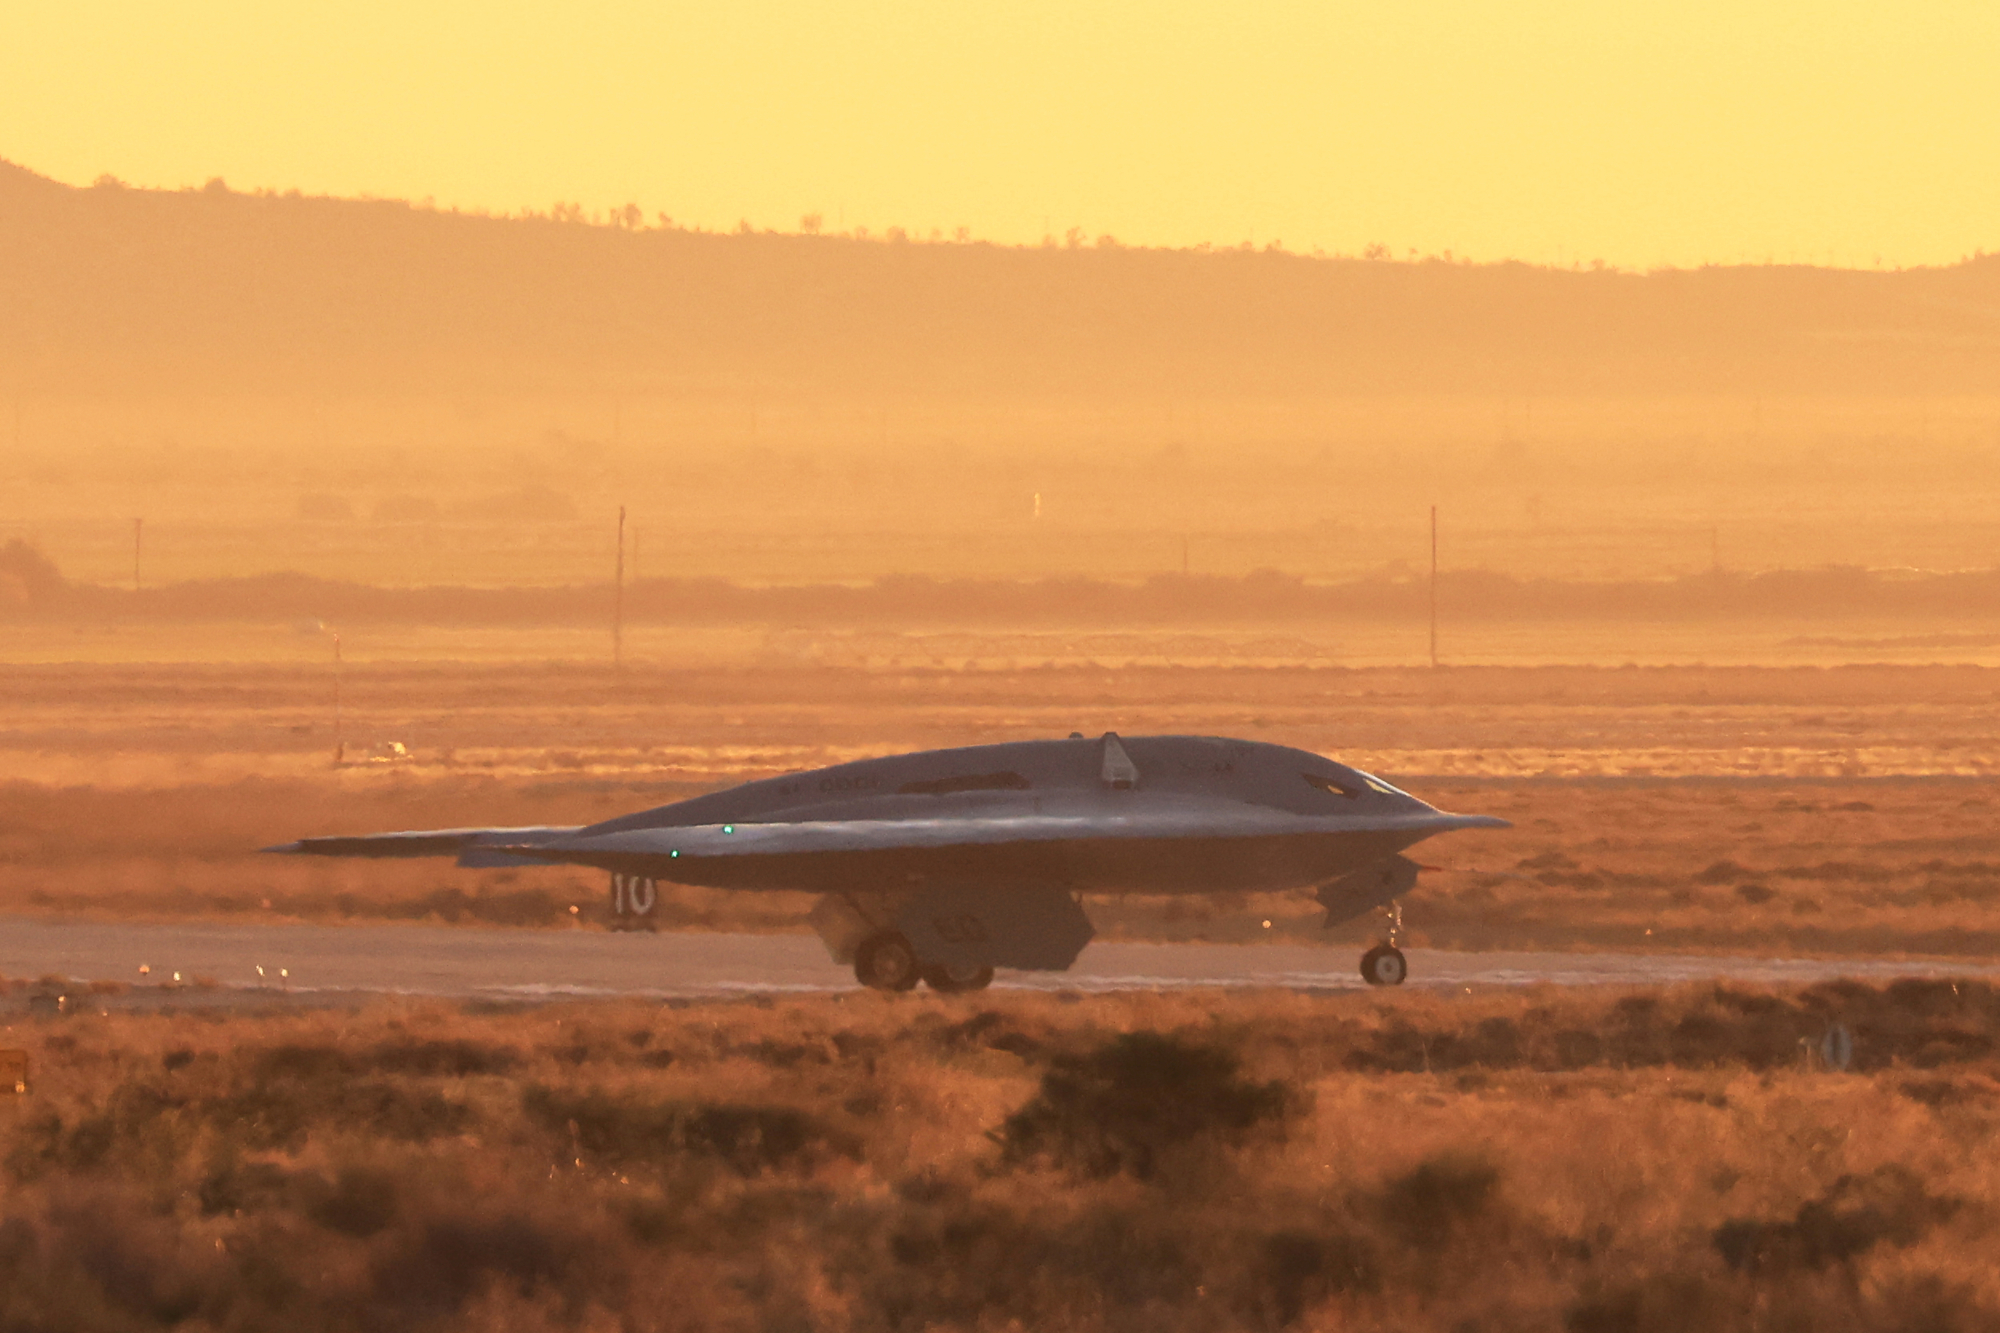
column 1353, row 785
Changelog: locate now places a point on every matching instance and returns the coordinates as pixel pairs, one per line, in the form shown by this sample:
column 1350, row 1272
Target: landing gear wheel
column 950, row 979
column 1384, row 965
column 886, row 962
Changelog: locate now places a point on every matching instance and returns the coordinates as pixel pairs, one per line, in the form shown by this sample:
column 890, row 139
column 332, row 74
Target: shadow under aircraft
column 942, row 865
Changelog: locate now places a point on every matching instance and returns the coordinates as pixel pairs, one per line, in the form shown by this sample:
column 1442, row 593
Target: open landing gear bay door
column 1031, row 927
column 1366, row 889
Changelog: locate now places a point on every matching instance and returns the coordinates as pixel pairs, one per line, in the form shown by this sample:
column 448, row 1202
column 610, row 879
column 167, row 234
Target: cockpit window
column 1378, row 784
column 965, row 782
column 1332, row 786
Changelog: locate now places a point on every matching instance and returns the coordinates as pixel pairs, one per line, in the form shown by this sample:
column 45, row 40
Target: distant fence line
column 32, row 589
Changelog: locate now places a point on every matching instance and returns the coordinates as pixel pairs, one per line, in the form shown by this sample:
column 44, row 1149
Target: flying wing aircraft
column 945, row 864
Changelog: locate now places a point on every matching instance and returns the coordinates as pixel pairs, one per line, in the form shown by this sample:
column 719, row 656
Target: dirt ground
column 1801, row 810
column 1199, row 1160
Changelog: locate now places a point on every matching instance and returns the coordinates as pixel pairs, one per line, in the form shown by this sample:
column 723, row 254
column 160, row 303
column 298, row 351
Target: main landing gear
column 886, row 962
column 955, row 979
column 1384, row 965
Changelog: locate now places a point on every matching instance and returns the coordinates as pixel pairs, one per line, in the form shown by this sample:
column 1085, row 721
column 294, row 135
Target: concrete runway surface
column 468, row 962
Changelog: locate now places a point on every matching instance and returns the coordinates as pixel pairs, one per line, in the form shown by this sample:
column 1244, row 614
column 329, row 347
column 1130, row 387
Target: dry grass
column 1539, row 1159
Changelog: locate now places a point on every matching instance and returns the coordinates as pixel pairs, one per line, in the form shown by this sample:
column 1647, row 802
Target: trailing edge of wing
column 472, row 846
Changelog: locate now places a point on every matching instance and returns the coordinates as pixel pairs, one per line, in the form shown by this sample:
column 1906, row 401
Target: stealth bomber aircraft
column 941, row 866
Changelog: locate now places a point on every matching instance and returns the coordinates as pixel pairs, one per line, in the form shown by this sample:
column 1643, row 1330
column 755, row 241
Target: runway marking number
column 633, row 894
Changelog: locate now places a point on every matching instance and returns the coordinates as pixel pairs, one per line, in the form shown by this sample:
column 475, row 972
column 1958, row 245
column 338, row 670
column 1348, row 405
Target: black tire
column 886, row 962
column 1384, row 966
column 957, row 980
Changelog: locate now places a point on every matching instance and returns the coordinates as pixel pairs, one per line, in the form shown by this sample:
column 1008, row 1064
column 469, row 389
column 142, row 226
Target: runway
column 466, row 962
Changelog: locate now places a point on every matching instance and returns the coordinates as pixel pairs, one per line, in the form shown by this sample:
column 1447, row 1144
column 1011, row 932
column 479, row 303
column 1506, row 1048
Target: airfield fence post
column 339, row 748
column 618, row 598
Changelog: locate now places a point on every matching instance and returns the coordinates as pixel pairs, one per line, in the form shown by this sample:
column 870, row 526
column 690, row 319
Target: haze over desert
column 936, row 481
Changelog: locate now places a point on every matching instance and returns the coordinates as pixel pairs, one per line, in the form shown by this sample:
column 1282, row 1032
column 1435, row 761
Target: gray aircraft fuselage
column 949, row 863
column 1197, row 815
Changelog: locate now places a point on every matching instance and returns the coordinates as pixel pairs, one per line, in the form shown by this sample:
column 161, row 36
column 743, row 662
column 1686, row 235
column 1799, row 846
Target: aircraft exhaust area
column 218, row 964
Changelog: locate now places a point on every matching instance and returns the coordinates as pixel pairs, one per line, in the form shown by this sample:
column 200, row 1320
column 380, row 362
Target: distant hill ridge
column 109, row 289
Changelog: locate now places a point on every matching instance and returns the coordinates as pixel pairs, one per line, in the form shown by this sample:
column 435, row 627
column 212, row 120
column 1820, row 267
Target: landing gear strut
column 1384, row 965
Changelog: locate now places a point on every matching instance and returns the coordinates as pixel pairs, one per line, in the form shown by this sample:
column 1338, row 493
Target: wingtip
column 285, row 848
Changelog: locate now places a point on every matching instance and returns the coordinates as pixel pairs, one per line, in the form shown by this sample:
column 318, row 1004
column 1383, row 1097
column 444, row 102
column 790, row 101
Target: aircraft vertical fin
column 1120, row 773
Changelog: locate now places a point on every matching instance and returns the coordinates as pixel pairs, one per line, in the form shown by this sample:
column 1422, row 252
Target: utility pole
column 618, row 599
column 1434, row 587
column 339, row 746
column 138, row 524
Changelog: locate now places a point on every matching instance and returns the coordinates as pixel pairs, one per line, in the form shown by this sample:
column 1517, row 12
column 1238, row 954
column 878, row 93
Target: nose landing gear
column 1384, row 965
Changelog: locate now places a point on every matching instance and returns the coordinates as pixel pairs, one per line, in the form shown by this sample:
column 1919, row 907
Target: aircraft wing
column 474, row 847
column 702, row 841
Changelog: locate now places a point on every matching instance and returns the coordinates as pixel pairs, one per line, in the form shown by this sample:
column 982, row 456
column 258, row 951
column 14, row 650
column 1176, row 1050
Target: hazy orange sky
column 1548, row 130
